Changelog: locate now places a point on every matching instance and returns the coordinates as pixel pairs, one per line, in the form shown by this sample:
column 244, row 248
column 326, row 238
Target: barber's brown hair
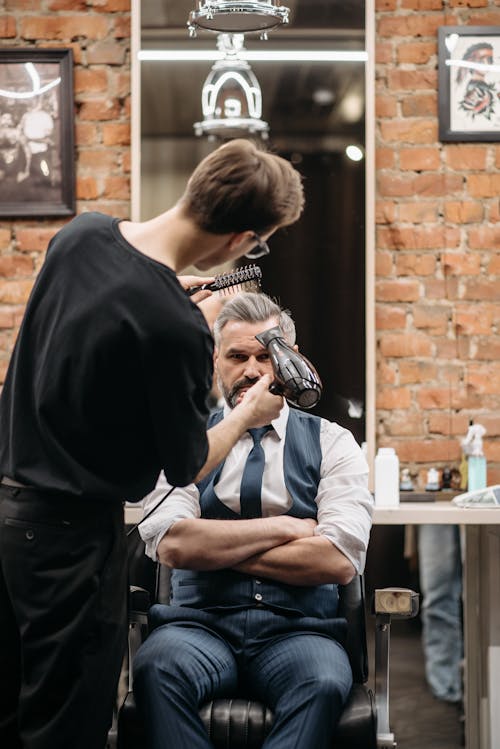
column 240, row 187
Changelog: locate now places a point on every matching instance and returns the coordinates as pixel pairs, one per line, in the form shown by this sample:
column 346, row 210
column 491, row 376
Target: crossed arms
column 282, row 548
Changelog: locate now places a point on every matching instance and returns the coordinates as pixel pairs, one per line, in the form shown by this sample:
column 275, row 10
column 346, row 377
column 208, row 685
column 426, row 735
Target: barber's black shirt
column 109, row 377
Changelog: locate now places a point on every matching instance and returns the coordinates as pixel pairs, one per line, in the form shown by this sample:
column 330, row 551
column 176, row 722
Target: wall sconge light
column 231, row 16
column 231, row 97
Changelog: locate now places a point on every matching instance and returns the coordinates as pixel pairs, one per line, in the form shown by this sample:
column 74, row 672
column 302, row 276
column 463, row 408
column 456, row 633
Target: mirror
column 316, row 108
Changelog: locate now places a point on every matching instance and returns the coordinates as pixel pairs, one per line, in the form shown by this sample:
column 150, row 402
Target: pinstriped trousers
column 303, row 676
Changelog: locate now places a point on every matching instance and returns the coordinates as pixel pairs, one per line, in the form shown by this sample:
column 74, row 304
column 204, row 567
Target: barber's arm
column 257, row 408
column 344, row 505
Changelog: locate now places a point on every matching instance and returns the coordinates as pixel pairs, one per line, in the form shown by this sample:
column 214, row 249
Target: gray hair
column 253, row 307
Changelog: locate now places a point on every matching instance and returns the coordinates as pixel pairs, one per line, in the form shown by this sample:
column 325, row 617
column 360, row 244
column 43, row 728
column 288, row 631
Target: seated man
column 256, row 559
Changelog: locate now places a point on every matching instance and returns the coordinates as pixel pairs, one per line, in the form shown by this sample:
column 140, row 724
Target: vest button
column 257, row 582
column 258, row 597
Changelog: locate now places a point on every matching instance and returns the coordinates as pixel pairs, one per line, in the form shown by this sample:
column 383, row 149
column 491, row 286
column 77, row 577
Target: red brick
column 67, row 5
column 106, row 53
column 468, row 3
column 412, row 371
column 483, row 185
column 116, row 134
column 87, row 188
column 420, row 105
column 6, row 317
column 34, row 239
column 400, row 290
column 482, row 289
column 407, row 424
column 417, row 159
column 465, row 156
column 461, row 263
column 439, row 185
column 63, row 27
column 484, row 238
column 417, row 53
column 385, row 212
column 5, row 238
column 87, row 134
column 487, row 349
column 448, row 423
column 405, row 344
column 110, row 6
column 121, row 27
column 422, row 4
column 116, row 188
column 463, row 211
column 473, row 319
column 383, row 53
column 412, row 264
column 389, row 318
column 429, row 451
column 434, row 317
column 15, row 265
column 485, row 378
column 494, row 265
column 411, row 25
column 393, row 185
column 15, row 292
column 90, row 80
column 99, row 109
column 393, row 398
column 418, row 213
column 385, row 5
column 386, row 106
column 97, row 160
column 383, row 263
column 409, row 130
column 7, row 27
column 417, row 238
column 437, row 288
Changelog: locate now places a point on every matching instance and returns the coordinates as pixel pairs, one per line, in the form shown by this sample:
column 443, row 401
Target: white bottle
column 386, row 477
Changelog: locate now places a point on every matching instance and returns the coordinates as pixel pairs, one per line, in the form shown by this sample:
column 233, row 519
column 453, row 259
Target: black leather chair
column 240, row 723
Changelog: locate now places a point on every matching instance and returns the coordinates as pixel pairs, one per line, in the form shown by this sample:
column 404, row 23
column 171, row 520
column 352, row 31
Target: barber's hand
column 259, row 406
column 188, row 282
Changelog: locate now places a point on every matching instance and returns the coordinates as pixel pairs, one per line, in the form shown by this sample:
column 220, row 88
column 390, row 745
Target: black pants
column 63, row 580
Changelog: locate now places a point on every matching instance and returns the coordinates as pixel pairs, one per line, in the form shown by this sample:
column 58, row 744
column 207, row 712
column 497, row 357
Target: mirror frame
column 370, row 339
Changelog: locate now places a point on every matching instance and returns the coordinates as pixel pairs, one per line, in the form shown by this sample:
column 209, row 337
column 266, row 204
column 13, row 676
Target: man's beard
column 231, row 394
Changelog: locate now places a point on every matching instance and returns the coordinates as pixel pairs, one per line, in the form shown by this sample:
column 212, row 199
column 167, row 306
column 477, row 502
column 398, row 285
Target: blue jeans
column 304, row 677
column 441, row 584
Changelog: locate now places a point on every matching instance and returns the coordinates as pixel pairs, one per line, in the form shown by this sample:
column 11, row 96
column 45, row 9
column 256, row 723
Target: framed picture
column 37, row 176
column 469, row 83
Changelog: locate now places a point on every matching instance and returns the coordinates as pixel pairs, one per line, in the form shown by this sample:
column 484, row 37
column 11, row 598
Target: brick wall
column 98, row 31
column 438, row 250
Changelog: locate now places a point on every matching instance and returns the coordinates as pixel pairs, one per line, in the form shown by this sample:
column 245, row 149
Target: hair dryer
column 294, row 376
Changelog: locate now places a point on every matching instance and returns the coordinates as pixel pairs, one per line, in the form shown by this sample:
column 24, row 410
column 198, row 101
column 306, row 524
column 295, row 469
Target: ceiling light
column 231, row 16
column 355, row 153
column 231, row 97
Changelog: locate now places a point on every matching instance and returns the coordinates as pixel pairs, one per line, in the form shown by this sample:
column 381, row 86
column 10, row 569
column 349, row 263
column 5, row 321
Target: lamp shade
column 231, row 16
column 231, row 97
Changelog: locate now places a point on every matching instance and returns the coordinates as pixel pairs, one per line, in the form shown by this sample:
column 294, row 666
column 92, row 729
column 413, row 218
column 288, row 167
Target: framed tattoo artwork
column 469, row 83
column 37, row 175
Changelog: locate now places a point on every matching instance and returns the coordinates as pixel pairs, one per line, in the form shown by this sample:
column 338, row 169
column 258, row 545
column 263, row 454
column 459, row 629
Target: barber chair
column 240, row 723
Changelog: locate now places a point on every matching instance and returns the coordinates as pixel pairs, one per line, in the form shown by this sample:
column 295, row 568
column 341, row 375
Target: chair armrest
column 139, row 603
column 388, row 603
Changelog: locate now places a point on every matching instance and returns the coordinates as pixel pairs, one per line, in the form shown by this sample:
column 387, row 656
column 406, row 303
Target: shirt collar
column 279, row 424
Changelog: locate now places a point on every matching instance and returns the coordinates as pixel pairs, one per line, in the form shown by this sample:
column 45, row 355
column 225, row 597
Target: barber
column 106, row 387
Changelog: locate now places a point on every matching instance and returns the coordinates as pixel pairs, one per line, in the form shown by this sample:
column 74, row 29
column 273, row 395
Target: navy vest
column 226, row 589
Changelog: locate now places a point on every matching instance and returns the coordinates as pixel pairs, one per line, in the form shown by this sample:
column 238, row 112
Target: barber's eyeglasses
column 260, row 249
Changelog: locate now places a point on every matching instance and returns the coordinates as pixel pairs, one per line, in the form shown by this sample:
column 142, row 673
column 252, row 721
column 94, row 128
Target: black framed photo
column 37, row 172
column 469, row 83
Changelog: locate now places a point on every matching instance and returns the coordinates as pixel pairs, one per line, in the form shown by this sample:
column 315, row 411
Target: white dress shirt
column 344, row 504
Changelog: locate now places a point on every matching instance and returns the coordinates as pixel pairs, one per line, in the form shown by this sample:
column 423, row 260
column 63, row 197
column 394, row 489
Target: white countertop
column 418, row 513
column 408, row 513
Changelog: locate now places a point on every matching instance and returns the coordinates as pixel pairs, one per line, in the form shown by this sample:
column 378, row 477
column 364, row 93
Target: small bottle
column 476, row 461
column 386, row 477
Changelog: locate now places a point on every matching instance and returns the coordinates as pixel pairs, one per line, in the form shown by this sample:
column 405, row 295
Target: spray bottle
column 476, row 462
